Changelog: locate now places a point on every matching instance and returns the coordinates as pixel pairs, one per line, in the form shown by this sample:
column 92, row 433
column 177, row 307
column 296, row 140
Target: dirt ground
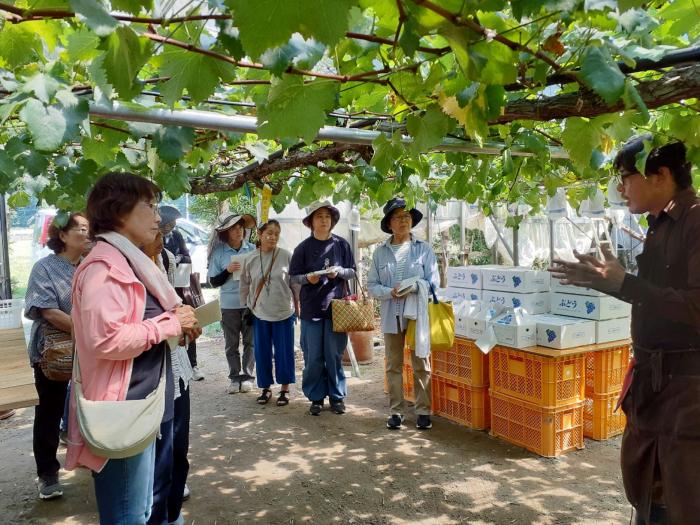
column 280, row 465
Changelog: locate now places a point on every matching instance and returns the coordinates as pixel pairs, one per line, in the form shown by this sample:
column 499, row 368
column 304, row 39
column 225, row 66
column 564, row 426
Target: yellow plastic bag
column 442, row 326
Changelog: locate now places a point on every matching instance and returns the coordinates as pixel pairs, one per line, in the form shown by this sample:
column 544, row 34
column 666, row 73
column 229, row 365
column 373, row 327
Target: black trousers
column 47, row 422
column 192, row 353
column 172, row 467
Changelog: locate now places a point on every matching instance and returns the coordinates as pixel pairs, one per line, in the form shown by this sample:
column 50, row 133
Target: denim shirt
column 220, row 258
column 381, row 280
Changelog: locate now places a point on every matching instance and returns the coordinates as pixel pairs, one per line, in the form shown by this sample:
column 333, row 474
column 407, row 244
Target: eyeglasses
column 152, row 205
column 620, row 177
column 401, row 217
column 81, row 231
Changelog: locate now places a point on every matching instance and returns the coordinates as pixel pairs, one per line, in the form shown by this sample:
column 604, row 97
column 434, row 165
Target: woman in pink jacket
column 124, row 310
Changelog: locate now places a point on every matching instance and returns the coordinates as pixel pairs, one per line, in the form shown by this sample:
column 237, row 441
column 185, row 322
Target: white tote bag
column 119, row 429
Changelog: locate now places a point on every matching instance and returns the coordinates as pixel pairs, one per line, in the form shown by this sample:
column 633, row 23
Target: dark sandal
column 265, row 396
column 282, row 399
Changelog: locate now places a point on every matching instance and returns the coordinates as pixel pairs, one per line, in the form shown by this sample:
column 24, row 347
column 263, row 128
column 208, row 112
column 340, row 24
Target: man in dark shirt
column 660, row 453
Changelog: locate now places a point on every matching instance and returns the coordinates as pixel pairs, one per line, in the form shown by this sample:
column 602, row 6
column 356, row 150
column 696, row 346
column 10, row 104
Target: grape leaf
column 47, row 124
column 124, row 56
column 95, row 15
column 35, row 163
column 323, row 187
column 172, row 142
column 43, row 86
column 82, row 45
column 98, row 150
column 197, row 73
column 174, row 181
column 294, row 109
column 429, row 129
column 298, row 52
column 259, row 151
column 131, row 6
column 409, row 40
column 580, row 138
column 18, row 45
column 229, row 39
column 19, row 199
column 601, row 74
column 386, row 153
column 264, row 24
column 624, row 5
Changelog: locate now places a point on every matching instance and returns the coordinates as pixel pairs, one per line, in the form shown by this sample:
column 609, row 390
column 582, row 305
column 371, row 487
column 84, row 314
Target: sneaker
column 186, row 493
column 50, row 488
column 196, row 374
column 423, row 422
column 234, row 387
column 394, row 422
column 246, row 386
column 315, row 408
column 338, row 406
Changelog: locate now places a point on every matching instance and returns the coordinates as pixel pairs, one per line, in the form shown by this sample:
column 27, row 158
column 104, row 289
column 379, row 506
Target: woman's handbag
column 193, row 294
column 57, row 357
column 350, row 315
column 119, row 429
column 442, row 325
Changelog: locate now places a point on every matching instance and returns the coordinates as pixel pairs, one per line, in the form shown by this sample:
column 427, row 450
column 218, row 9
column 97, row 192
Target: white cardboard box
column 533, row 303
column 515, row 279
column 464, row 277
column 587, row 307
column 612, row 330
column 463, row 313
column 476, row 322
column 555, row 331
column 577, row 290
column 510, row 332
column 462, row 294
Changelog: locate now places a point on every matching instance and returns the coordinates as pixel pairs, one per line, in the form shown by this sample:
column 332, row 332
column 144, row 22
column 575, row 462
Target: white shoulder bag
column 119, row 429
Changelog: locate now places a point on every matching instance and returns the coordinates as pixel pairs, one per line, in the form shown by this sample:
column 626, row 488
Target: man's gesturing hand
column 605, row 276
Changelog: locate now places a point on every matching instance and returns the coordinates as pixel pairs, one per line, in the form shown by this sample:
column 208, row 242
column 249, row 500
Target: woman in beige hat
column 224, row 271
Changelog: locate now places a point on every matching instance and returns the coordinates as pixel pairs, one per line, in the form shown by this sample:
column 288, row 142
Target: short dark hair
column 265, row 225
column 114, row 196
column 671, row 155
column 55, row 243
column 223, row 235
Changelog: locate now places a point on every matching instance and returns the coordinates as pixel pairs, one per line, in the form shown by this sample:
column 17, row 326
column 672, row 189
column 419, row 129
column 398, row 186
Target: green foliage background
column 426, row 70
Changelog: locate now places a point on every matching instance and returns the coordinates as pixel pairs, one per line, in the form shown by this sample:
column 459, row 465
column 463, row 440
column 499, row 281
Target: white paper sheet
column 236, row 276
column 182, row 275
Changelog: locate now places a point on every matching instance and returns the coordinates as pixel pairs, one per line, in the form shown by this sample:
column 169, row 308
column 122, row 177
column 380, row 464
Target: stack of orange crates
column 605, row 372
column 537, row 401
column 460, row 379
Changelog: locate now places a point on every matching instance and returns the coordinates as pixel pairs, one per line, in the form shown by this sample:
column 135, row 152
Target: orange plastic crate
column 409, row 393
column 599, row 419
column 548, row 432
column 461, row 403
column 605, row 370
column 464, row 362
column 407, row 358
column 386, row 379
column 548, row 382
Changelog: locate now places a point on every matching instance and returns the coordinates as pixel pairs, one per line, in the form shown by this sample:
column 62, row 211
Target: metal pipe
column 194, row 118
